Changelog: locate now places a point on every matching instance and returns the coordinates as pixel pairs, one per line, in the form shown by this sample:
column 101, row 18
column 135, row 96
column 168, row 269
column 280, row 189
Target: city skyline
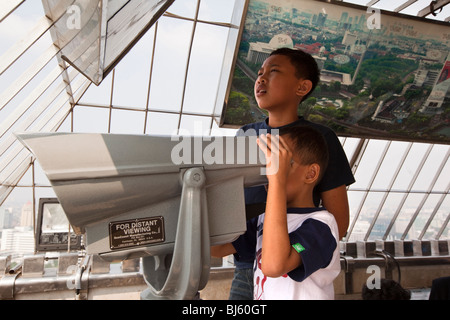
column 365, row 68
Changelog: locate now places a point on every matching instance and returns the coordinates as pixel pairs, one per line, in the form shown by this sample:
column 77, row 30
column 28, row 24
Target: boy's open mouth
column 260, row 90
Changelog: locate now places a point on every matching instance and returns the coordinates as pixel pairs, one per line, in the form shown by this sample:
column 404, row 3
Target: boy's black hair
column 310, row 145
column 304, row 63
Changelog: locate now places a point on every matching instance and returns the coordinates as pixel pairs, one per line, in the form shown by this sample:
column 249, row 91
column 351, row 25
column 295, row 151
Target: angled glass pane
column 27, row 179
column 66, row 126
column 390, row 164
column 13, row 164
column 91, row 42
column 438, row 222
column 424, row 214
column 127, row 121
column 410, row 166
column 446, row 234
column 350, row 146
column 354, row 201
column 404, row 217
column 204, row 68
column 431, row 167
column 90, row 119
column 22, row 93
column 442, row 182
column 169, row 66
column 19, row 23
column 385, row 216
column 366, row 216
column 368, row 163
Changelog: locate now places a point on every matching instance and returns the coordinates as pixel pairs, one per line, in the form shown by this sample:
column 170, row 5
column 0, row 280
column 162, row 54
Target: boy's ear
column 312, row 174
column 304, row 87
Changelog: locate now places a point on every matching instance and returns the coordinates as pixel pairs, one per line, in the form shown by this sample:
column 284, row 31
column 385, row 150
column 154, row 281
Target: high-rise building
column 26, row 219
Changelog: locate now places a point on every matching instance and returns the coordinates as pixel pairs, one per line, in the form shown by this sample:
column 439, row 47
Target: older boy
column 297, row 256
column 286, row 79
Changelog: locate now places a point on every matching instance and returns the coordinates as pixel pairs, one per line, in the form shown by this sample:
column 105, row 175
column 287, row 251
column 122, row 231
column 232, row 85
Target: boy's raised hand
column 278, row 155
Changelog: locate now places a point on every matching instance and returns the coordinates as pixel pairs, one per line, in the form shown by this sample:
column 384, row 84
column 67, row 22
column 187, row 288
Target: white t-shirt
column 314, row 232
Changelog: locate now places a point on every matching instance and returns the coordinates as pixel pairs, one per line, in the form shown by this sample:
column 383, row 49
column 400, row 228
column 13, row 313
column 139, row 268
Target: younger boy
column 295, row 242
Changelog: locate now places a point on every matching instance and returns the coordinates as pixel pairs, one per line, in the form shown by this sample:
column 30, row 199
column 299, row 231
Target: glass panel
column 386, row 214
column 90, row 119
column 225, row 73
column 368, row 163
column 44, row 192
column 217, row 131
column 350, row 146
column 66, row 126
column 430, row 168
column 386, row 4
column 16, row 219
column 54, row 219
column 410, row 166
column 169, row 66
column 80, row 34
column 132, row 75
column 19, row 23
column 446, row 234
column 438, row 221
column 114, row 6
column 217, row 11
column 91, row 42
column 354, row 201
column 17, row 236
column 40, row 178
column 442, row 183
column 184, row 8
column 14, row 164
column 366, row 216
column 27, row 179
column 162, row 123
column 195, row 126
column 98, row 95
column 204, row 69
column 17, row 69
column 405, row 215
column 390, row 165
column 423, row 216
column 127, row 121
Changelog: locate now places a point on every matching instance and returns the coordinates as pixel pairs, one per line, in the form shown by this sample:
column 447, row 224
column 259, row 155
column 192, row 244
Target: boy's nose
column 261, row 79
